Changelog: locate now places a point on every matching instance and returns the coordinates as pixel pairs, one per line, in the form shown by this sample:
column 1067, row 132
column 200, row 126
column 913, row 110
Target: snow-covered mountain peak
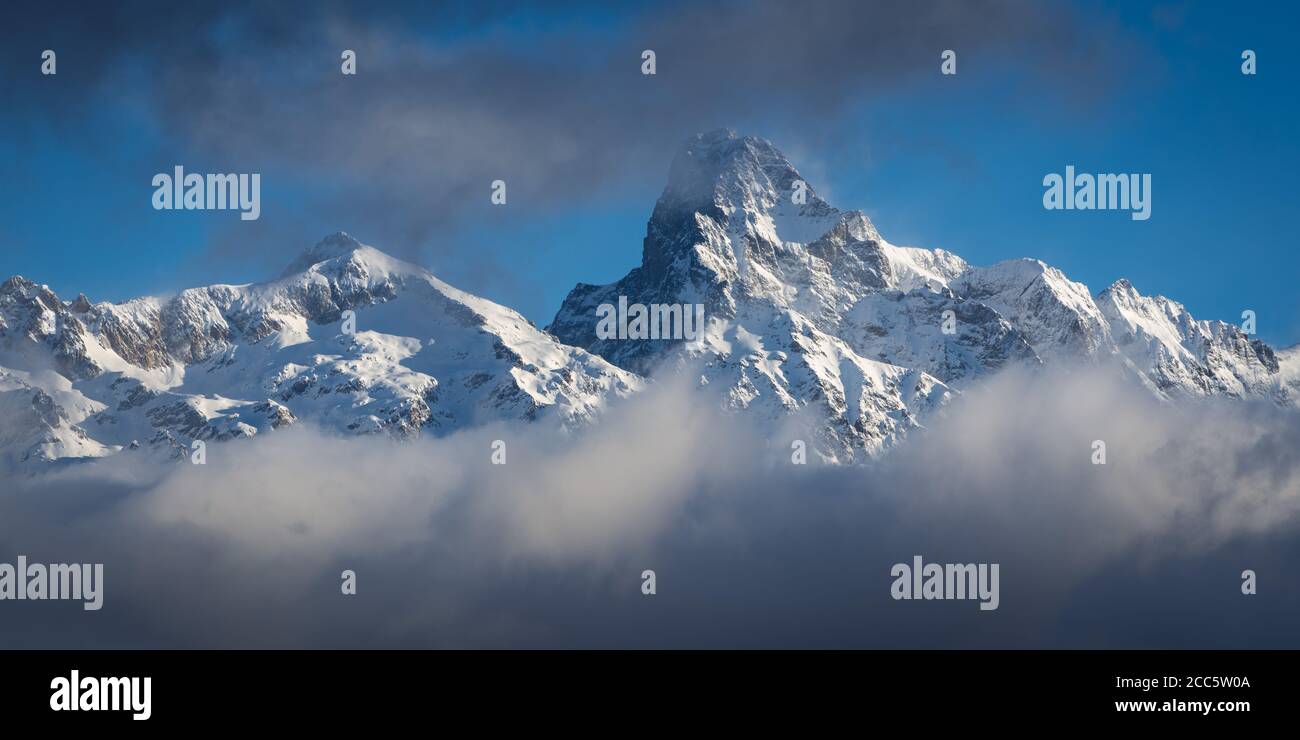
column 348, row 338
column 334, row 252
column 1057, row 315
column 747, row 180
column 1121, row 289
column 15, row 284
column 724, row 170
column 739, row 231
column 19, row 288
column 737, row 221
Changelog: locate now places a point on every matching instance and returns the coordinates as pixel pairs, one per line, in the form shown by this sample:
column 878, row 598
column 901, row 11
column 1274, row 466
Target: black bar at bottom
column 213, row 689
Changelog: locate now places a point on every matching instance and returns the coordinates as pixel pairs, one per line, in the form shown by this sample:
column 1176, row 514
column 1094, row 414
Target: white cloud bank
column 749, row 550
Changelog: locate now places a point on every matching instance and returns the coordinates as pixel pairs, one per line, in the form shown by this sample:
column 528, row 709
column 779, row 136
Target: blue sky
column 952, row 162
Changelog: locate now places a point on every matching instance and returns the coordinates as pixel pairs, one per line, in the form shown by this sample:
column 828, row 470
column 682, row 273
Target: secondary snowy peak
column 1057, row 315
column 347, row 338
column 337, row 245
column 1181, row 356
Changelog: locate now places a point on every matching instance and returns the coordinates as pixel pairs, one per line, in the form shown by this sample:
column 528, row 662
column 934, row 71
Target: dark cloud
column 1145, row 551
column 449, row 98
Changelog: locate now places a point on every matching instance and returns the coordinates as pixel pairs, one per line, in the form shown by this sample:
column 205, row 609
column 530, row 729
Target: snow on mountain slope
column 772, row 364
column 1056, row 315
column 1158, row 340
column 907, row 329
column 1289, row 373
column 224, row 361
column 36, row 428
column 788, row 287
column 913, row 267
column 1185, row 357
column 808, row 310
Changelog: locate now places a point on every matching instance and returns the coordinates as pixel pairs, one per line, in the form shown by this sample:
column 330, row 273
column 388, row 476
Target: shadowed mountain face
column 807, row 310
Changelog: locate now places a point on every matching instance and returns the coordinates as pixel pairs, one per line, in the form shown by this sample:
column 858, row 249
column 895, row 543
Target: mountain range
column 808, row 310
